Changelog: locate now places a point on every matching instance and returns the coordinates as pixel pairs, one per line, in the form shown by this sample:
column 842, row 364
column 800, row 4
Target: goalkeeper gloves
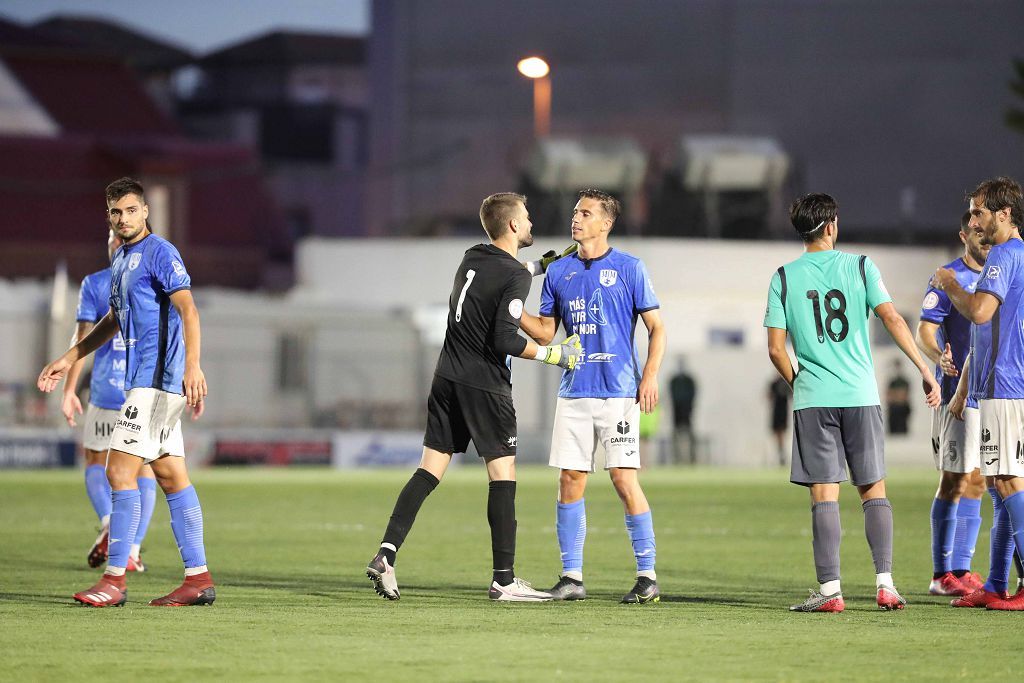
column 566, row 355
column 540, row 266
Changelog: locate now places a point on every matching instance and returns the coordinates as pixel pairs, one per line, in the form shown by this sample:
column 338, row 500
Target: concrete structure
column 353, row 346
column 894, row 107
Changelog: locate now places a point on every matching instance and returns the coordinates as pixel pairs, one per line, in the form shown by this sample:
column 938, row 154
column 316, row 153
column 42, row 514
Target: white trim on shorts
column 956, row 453
column 97, row 428
column 582, row 423
column 1002, row 437
column 149, row 425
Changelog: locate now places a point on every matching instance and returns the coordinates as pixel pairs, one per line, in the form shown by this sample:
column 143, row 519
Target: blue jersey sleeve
column 547, row 298
column 998, row 273
column 169, row 271
column 643, row 289
column 936, row 306
column 775, row 312
column 88, row 311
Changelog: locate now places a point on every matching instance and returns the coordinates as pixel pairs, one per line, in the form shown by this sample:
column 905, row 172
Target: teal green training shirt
column 824, row 300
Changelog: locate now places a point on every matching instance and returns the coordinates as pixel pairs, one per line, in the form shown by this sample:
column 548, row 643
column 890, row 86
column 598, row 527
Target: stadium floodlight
column 538, row 71
column 533, row 67
column 615, row 165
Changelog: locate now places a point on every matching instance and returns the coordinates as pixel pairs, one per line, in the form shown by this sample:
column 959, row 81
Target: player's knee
column 626, row 483
column 952, row 485
column 120, row 477
column 571, row 486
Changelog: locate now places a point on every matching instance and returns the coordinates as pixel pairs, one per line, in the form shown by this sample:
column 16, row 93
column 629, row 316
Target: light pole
column 538, row 71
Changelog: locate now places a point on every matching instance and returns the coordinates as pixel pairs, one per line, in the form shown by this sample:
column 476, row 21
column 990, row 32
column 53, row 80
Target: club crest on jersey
column 609, row 277
column 134, row 260
column 993, row 272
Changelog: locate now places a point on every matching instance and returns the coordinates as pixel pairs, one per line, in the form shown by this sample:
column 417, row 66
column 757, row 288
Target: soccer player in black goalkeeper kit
column 471, row 396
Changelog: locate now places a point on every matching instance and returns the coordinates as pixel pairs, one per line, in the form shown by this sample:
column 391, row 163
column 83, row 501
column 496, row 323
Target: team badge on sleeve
column 993, row 272
column 178, row 268
column 930, row 301
column 515, row 308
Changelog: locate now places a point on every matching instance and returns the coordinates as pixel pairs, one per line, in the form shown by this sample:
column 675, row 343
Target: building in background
column 297, row 101
column 154, row 61
column 895, row 108
column 73, row 118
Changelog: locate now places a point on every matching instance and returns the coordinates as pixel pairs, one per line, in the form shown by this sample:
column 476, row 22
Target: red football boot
column 1014, row 603
column 972, row 581
column 135, row 565
column 196, row 590
column 979, row 598
column 947, row 584
column 98, row 552
column 887, row 598
column 109, row 592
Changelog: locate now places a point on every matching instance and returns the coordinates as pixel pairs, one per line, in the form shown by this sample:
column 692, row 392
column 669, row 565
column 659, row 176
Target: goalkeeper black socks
column 420, row 485
column 501, row 515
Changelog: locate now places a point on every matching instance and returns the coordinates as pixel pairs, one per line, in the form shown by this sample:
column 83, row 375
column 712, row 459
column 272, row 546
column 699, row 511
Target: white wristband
column 542, row 353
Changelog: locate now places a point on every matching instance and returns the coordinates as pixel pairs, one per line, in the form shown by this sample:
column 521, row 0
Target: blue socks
column 98, row 489
column 641, row 534
column 147, row 489
column 1001, row 546
column 968, row 523
column 187, row 525
column 944, row 525
column 1014, row 506
column 126, row 509
column 571, row 528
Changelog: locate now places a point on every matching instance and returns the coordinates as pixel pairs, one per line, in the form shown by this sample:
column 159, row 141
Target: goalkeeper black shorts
column 458, row 414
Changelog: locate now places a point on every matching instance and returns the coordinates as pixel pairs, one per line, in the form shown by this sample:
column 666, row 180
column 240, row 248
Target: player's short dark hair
column 125, row 186
column 612, row 206
column 496, row 210
column 811, row 213
column 965, row 221
column 1000, row 193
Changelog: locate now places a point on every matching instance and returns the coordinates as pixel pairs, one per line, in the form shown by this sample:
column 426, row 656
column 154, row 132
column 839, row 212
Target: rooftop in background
column 289, row 48
column 142, row 52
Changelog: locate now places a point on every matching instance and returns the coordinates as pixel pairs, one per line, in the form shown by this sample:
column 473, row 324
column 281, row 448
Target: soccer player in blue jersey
column 997, row 209
column 943, row 335
column 598, row 293
column 106, row 396
column 151, row 303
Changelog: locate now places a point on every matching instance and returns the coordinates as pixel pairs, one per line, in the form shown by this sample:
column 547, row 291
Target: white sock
column 114, row 571
column 649, row 573
column 136, row 548
column 192, row 571
column 830, row 588
column 574, row 575
column 883, row 579
column 105, row 521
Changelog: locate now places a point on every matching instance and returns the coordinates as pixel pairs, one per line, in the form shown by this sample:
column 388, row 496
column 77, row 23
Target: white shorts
column 97, row 428
column 1002, row 437
column 150, row 424
column 580, row 423
column 955, row 442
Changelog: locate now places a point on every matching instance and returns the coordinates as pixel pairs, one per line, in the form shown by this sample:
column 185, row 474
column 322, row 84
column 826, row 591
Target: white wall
column 701, row 284
column 356, row 303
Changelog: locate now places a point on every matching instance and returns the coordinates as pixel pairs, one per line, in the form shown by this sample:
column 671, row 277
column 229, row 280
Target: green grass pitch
column 288, row 549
